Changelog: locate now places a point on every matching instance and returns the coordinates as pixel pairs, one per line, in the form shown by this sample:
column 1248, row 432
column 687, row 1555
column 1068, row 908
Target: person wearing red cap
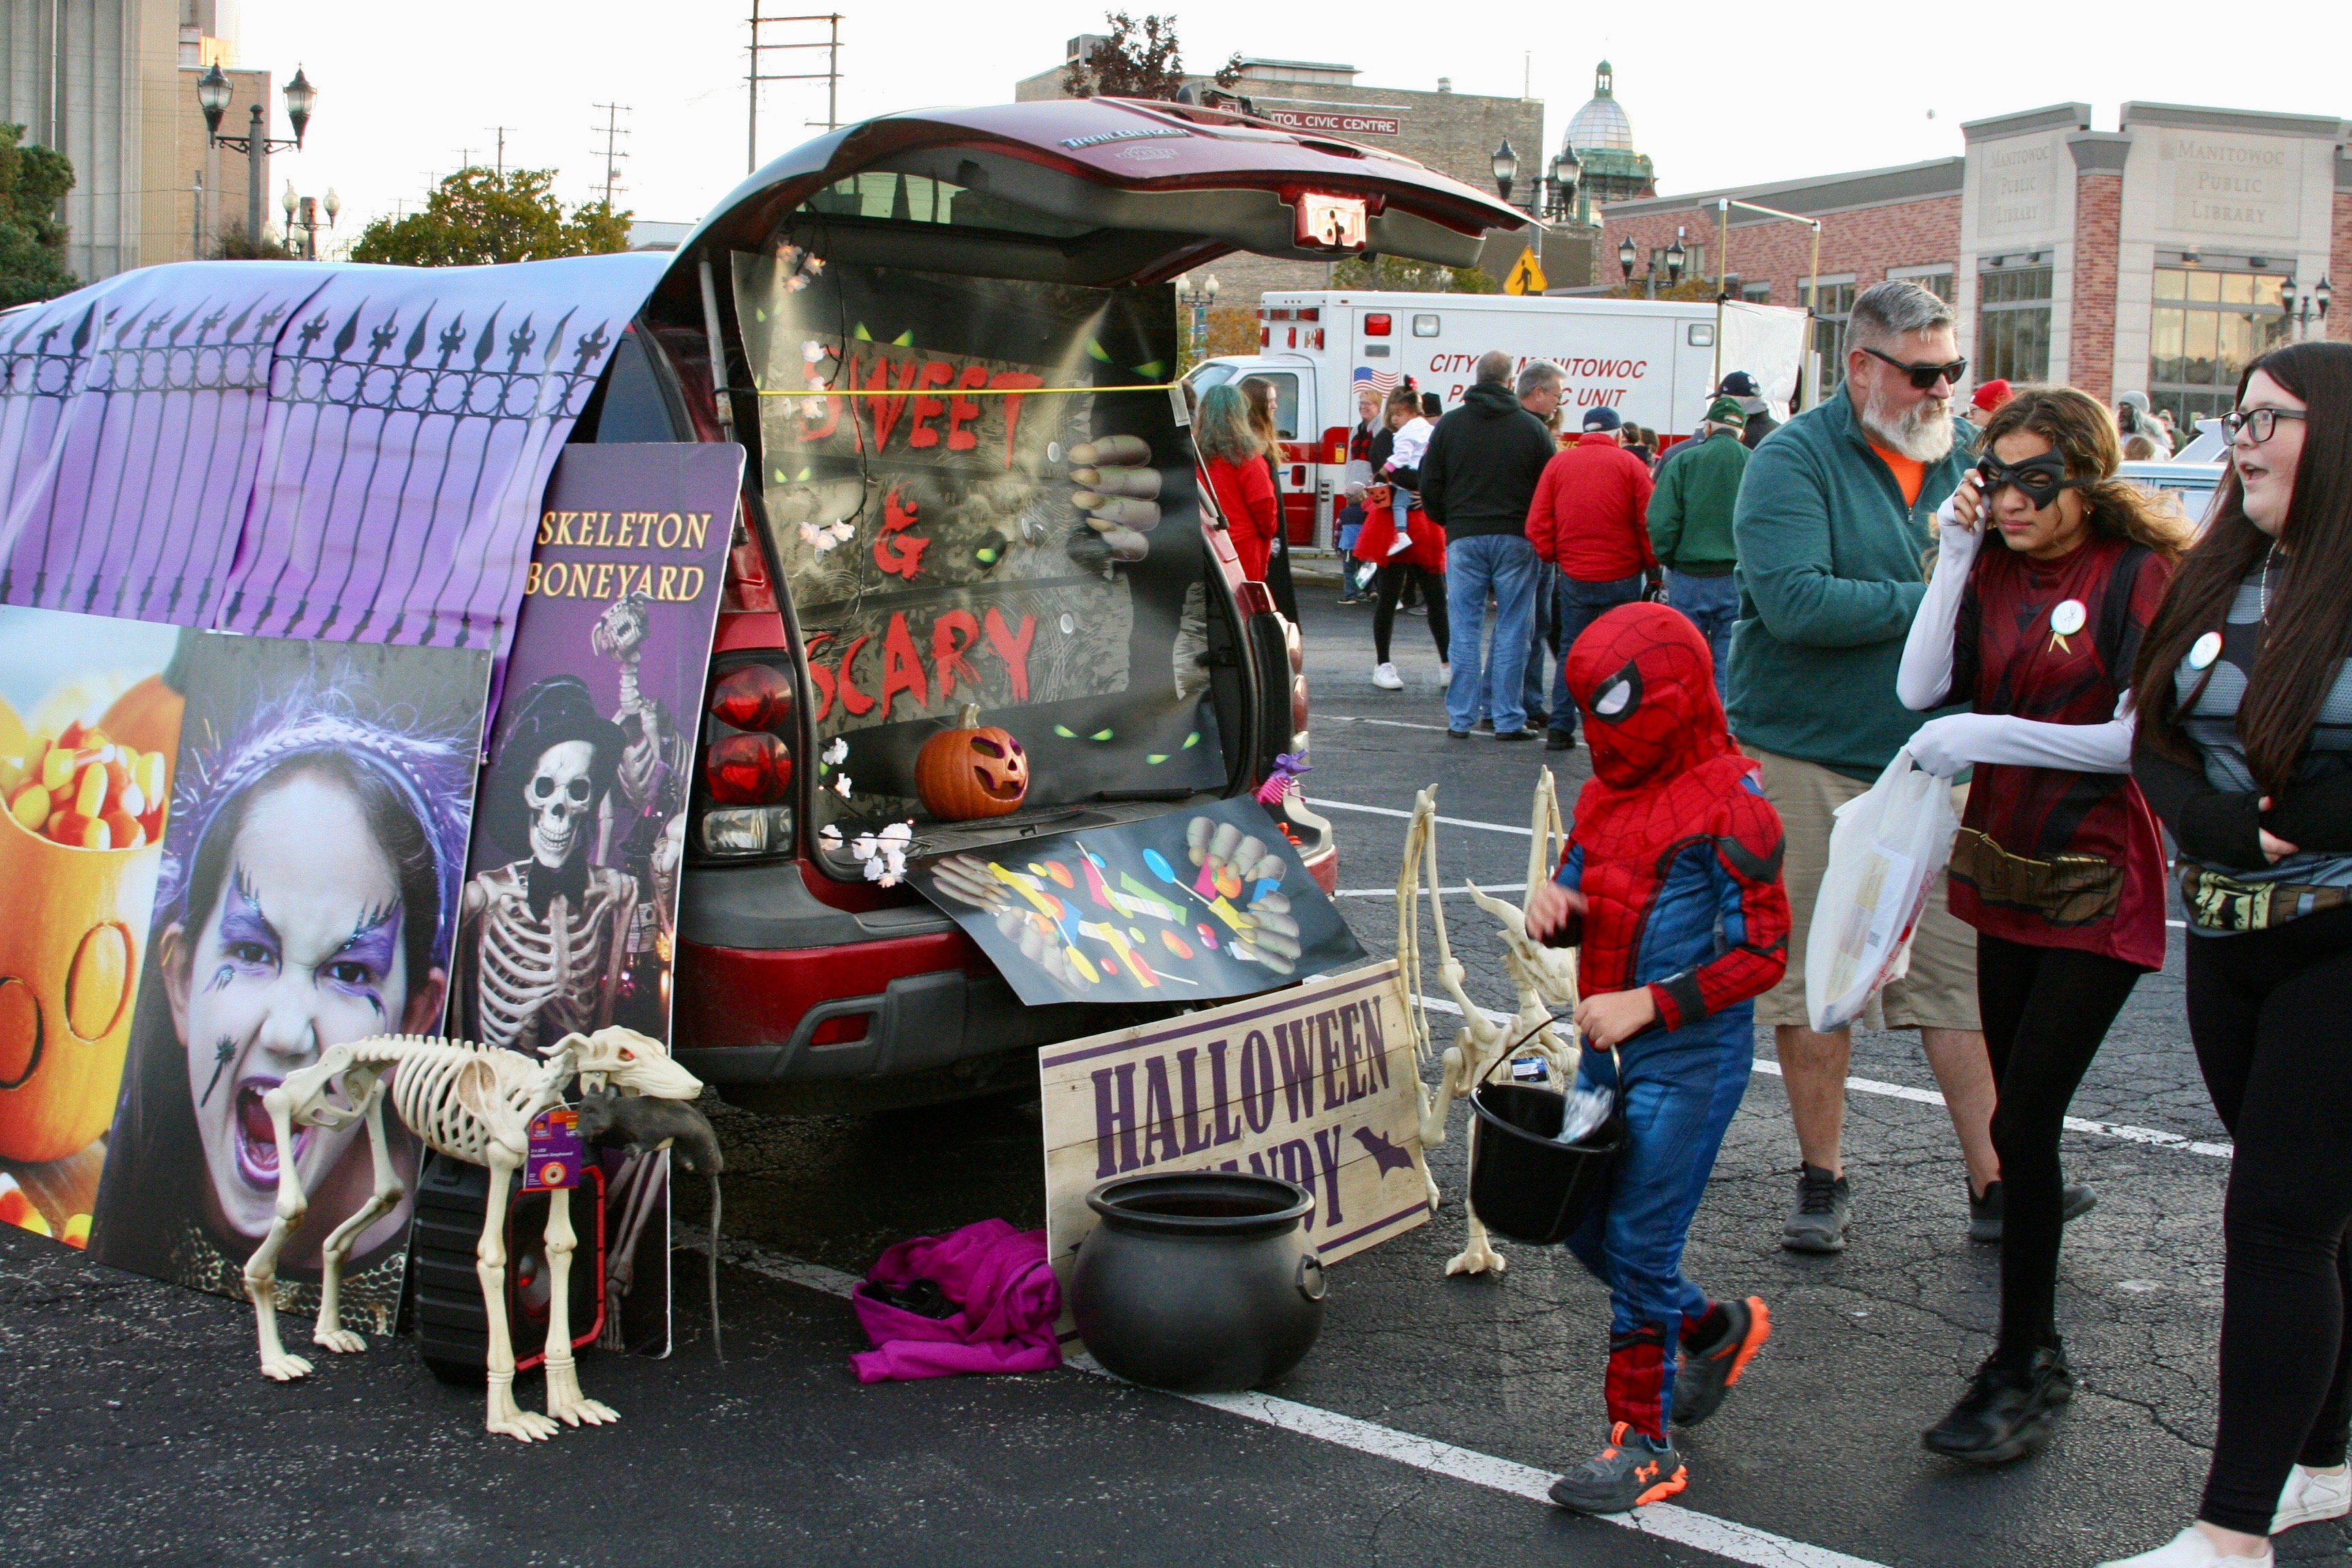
column 1986, row 401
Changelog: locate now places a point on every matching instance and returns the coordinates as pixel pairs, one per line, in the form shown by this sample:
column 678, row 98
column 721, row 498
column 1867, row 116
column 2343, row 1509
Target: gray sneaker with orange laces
column 1630, row 1470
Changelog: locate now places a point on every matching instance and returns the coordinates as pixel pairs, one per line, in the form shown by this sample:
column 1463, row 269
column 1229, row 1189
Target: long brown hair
column 2310, row 631
column 2080, row 430
column 1260, row 394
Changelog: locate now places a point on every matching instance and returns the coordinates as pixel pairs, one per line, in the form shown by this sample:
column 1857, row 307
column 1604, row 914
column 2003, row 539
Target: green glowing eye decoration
column 990, row 550
column 904, row 339
column 1099, row 736
column 861, row 334
column 1155, row 758
column 1153, row 370
column 759, row 314
column 1066, row 732
column 1191, row 740
column 1095, row 351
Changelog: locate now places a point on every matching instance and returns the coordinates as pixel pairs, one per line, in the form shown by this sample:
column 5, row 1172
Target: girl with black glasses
column 2244, row 749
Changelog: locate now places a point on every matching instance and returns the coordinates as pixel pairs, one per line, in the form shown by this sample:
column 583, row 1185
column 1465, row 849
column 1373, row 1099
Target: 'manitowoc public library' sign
column 1315, row 1084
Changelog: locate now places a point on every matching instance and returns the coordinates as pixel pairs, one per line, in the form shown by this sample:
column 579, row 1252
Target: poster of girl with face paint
column 307, row 897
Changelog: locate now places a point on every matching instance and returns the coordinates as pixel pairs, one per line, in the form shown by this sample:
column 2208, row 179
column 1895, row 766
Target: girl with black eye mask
column 2057, row 864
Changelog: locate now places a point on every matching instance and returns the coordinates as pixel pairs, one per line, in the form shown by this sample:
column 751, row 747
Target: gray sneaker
column 1628, row 1471
column 2075, row 1200
column 1818, row 1222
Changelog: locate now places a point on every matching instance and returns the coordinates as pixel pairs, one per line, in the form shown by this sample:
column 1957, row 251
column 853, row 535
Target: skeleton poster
column 313, row 828
column 569, row 913
column 969, row 510
column 1188, row 906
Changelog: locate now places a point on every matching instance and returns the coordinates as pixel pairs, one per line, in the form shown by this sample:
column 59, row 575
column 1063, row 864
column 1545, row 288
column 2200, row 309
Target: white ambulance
column 1657, row 363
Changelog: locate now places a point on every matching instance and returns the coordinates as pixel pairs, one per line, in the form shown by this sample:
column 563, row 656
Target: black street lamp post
column 1506, row 169
column 2302, row 306
column 212, row 96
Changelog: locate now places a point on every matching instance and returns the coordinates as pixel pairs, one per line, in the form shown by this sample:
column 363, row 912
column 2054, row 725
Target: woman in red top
column 1234, row 460
column 2058, row 863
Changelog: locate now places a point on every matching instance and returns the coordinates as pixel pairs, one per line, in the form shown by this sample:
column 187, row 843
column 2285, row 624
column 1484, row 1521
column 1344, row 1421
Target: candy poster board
column 261, row 843
column 1316, row 1084
column 569, row 915
column 1194, row 905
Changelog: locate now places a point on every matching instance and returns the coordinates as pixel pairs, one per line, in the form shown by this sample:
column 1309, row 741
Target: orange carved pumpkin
column 972, row 770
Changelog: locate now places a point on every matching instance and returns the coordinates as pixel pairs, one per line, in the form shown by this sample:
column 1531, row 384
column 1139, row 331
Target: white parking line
column 1682, row 1526
column 1388, row 811
column 1389, row 723
column 2153, row 1136
column 1449, row 892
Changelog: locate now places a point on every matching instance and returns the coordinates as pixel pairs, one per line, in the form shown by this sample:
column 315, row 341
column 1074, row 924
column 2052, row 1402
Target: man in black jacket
column 1477, row 480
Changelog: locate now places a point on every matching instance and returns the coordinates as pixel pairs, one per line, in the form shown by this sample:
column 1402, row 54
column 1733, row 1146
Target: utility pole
column 501, row 132
column 197, row 220
column 830, row 76
column 612, row 132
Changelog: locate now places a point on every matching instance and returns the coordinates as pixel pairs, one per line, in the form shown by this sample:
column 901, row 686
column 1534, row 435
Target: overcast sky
column 1724, row 95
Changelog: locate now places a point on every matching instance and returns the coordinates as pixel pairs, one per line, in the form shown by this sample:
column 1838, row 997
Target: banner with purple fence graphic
column 352, row 454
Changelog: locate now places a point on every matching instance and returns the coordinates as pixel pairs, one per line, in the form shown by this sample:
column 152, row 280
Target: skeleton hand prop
column 1118, row 491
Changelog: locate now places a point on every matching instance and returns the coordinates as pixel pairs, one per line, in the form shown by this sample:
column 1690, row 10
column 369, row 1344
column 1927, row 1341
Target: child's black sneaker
column 1628, row 1471
column 2008, row 1410
column 1706, row 1373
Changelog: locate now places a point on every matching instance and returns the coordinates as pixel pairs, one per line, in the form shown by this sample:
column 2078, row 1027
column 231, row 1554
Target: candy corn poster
column 88, row 728
column 1193, row 906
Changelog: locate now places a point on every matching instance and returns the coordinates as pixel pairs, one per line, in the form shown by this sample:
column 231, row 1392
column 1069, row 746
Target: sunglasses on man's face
column 1925, row 376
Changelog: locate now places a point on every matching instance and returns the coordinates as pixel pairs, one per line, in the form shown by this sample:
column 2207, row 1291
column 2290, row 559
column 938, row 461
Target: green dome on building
column 1601, row 136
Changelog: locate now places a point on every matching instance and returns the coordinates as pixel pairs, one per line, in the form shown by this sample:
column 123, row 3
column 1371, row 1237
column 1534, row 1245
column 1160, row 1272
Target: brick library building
column 2162, row 257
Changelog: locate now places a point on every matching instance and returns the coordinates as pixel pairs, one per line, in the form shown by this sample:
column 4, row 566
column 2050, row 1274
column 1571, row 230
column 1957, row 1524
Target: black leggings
column 2045, row 1011
column 2266, row 1009
column 1390, row 583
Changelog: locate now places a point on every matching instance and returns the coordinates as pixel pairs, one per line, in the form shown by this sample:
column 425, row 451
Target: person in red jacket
column 1235, row 461
column 1590, row 518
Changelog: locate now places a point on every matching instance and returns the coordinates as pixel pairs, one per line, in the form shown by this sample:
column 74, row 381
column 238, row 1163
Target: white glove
column 1959, row 524
column 1944, row 746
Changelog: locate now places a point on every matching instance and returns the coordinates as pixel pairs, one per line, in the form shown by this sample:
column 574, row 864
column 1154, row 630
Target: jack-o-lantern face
column 999, row 766
column 972, row 770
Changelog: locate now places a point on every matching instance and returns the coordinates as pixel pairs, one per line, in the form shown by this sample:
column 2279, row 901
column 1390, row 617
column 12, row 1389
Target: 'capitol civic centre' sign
column 1335, row 122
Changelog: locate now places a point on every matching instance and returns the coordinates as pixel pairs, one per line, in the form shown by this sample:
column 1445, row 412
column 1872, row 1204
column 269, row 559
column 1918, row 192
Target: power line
column 611, row 130
column 830, row 76
column 501, row 132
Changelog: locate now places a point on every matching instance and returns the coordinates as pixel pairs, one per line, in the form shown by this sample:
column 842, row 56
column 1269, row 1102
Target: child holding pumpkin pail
column 1671, row 892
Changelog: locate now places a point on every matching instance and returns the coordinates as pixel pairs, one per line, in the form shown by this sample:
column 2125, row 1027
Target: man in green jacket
column 1690, row 530
column 1835, row 516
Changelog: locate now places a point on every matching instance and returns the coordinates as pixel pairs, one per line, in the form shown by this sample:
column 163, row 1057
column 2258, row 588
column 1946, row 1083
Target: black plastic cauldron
column 1199, row 1282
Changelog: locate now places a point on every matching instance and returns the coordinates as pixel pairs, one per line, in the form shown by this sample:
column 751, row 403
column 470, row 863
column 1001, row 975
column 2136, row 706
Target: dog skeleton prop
column 1543, row 977
column 470, row 1102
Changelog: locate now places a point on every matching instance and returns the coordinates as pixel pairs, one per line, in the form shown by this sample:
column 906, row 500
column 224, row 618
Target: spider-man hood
column 1644, row 678
column 1646, row 682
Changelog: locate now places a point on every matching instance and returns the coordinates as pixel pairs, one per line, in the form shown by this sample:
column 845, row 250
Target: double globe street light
column 256, row 143
column 302, row 213
column 1675, row 256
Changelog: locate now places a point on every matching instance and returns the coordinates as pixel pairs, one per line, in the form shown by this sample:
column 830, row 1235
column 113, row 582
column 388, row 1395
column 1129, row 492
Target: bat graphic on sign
column 1385, row 1154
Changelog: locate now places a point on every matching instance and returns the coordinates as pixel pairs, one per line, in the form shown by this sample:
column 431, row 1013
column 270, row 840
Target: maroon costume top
column 2009, row 658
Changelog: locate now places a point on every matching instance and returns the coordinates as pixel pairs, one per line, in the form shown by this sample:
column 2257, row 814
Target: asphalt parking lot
column 134, row 1425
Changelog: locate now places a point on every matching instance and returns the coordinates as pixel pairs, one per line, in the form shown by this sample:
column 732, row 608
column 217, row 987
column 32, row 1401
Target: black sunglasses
column 1925, row 376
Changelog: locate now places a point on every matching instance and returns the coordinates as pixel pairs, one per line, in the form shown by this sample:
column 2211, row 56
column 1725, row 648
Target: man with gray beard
column 1835, row 517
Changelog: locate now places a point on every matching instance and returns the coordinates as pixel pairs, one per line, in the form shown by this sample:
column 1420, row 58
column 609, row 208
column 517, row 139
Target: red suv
column 947, row 341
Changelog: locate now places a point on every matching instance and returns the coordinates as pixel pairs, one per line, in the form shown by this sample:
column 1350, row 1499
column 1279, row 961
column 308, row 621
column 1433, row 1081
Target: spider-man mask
column 1644, row 678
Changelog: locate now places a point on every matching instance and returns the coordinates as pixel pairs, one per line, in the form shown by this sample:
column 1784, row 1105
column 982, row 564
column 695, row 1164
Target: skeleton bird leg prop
column 645, row 1127
column 470, row 1102
column 1543, row 978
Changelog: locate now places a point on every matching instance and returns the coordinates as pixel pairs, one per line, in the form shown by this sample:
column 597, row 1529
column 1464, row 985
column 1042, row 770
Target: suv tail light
column 743, row 805
column 1377, row 324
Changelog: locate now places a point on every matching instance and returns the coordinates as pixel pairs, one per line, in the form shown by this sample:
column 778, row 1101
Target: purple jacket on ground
column 1008, row 1292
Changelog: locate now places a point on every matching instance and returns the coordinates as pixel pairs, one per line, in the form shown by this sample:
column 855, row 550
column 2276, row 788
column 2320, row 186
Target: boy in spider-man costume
column 1671, row 888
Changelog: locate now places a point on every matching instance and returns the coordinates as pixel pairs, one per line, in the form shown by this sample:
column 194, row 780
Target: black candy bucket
column 1525, row 1184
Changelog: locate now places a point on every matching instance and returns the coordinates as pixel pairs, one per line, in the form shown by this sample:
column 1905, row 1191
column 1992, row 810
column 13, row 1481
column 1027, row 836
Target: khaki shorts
column 1940, row 991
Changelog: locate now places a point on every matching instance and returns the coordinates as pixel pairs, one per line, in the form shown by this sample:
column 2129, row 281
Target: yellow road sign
column 1526, row 275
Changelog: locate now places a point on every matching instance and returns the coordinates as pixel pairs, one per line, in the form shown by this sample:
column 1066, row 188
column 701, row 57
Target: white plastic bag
column 1886, row 848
